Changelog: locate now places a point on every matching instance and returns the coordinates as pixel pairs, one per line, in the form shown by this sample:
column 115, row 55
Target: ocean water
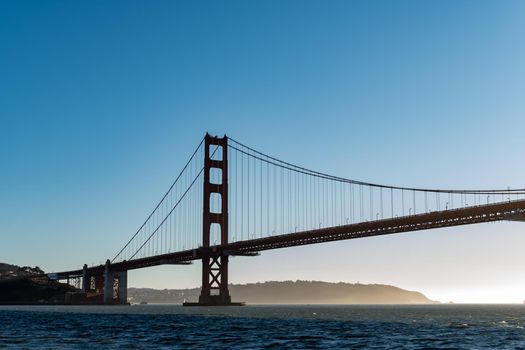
column 263, row 327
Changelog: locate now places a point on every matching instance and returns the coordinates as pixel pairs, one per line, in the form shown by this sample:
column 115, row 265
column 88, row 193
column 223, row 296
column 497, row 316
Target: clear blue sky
column 101, row 102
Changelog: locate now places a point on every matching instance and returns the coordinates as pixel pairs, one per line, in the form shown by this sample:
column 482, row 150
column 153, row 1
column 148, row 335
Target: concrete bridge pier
column 108, row 284
column 85, row 280
column 115, row 286
column 122, row 294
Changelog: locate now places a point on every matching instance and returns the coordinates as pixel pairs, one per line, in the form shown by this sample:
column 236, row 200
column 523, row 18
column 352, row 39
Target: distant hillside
column 18, row 286
column 290, row 292
column 8, row 271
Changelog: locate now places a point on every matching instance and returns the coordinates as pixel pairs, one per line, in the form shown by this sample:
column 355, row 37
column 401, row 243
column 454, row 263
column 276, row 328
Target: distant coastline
column 292, row 292
column 18, row 285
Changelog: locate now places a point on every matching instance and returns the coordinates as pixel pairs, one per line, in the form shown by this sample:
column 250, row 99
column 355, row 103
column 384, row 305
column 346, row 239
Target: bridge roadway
column 512, row 210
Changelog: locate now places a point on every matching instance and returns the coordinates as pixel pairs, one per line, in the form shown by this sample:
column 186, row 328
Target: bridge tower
column 215, row 263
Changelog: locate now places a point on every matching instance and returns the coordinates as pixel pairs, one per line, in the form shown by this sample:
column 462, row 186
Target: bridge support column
column 215, row 265
column 108, row 284
column 215, row 281
column 85, row 280
column 122, row 287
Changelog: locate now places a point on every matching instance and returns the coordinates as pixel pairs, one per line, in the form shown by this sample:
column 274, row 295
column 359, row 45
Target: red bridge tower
column 215, row 263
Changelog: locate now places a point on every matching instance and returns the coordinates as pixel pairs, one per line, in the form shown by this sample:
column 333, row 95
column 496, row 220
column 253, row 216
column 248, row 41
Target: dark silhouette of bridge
column 232, row 200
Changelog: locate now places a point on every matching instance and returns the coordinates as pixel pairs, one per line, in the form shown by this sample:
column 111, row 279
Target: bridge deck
column 512, row 210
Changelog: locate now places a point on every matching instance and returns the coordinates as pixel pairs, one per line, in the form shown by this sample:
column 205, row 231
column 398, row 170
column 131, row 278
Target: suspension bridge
column 232, row 200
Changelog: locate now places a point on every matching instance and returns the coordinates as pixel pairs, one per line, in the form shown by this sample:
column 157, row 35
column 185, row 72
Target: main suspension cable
column 289, row 166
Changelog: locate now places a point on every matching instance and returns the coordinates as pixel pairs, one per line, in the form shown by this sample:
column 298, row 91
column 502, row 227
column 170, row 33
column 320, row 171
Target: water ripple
column 263, row 327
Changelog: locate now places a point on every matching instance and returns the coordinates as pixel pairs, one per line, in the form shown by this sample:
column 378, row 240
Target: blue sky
column 102, row 102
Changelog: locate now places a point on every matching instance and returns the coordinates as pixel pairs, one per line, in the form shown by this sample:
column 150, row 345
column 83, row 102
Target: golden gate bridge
column 232, row 200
